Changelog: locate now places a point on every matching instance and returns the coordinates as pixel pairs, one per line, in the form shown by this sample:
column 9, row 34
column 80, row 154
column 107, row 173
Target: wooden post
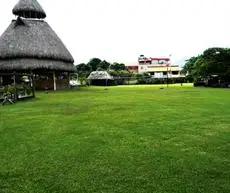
column 32, row 84
column 15, row 90
column 69, row 80
column 54, row 79
column 106, row 82
column 167, row 76
column 14, row 78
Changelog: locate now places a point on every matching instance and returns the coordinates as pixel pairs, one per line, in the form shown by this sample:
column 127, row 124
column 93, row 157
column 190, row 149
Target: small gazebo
column 29, row 45
column 101, row 78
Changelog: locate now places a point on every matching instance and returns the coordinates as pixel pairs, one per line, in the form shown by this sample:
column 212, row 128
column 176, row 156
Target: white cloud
column 120, row 30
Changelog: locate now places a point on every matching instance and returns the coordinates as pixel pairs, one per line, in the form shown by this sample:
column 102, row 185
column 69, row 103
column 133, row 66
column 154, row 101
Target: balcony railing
column 169, row 76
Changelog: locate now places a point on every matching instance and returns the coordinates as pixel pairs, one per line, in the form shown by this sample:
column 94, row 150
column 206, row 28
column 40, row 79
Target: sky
column 121, row 30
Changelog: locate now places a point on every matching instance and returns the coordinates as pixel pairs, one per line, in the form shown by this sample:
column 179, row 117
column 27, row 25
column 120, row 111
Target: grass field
column 138, row 139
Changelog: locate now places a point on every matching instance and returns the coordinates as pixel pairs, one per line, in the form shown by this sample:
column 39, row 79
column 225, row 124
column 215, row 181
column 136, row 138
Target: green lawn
column 130, row 139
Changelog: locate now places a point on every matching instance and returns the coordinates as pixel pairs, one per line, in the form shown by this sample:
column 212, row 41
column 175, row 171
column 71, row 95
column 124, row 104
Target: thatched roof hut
column 100, row 78
column 100, row 75
column 31, row 44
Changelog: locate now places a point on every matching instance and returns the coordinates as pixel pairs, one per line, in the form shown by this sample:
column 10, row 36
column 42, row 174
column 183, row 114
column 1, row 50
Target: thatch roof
column 25, row 40
column 24, row 64
column 100, row 75
column 29, row 9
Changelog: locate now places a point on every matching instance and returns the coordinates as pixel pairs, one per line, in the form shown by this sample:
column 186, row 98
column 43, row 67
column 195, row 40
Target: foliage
column 17, row 89
column 118, row 66
column 189, row 67
column 121, row 77
column 103, row 65
column 117, row 70
column 161, row 80
column 8, row 90
column 143, row 78
column 94, row 63
column 83, row 69
column 213, row 61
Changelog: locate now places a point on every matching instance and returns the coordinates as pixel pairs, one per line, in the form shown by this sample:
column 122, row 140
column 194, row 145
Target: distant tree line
column 120, row 74
column 212, row 67
column 117, row 70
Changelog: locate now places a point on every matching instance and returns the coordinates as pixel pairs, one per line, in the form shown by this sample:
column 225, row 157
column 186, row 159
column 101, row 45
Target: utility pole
column 167, row 76
column 168, row 64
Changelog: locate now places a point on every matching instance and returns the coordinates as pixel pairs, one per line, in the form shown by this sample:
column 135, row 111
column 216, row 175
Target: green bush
column 160, row 80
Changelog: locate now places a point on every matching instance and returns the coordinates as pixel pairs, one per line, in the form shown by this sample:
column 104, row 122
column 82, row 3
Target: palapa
column 31, row 44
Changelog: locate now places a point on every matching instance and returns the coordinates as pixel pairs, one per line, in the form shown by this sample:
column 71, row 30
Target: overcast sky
column 121, row 30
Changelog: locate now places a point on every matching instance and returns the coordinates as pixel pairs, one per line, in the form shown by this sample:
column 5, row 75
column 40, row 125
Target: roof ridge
column 29, row 9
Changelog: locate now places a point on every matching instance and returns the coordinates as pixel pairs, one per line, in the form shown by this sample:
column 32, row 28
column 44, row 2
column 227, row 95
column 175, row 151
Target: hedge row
column 134, row 81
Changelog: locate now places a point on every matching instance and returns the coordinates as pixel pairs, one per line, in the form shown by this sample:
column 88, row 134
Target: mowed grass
column 122, row 140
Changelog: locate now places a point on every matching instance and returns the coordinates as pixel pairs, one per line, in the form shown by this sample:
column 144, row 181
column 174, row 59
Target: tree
column 118, row 70
column 94, row 63
column 213, row 61
column 189, row 66
column 104, row 65
column 83, row 69
column 218, row 61
column 118, row 66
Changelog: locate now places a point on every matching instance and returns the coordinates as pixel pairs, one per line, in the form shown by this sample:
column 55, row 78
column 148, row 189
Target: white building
column 157, row 67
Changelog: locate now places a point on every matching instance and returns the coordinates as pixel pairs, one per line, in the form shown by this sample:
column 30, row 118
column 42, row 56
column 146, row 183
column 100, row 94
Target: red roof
column 150, row 59
column 131, row 66
column 159, row 58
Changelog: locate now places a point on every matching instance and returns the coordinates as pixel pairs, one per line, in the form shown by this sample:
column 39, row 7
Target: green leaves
column 96, row 64
column 213, row 61
column 118, row 66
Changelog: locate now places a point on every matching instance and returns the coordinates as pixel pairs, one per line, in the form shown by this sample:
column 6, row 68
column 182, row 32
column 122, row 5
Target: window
column 161, row 62
column 164, row 73
column 154, row 61
column 141, row 62
column 175, row 72
column 148, row 62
